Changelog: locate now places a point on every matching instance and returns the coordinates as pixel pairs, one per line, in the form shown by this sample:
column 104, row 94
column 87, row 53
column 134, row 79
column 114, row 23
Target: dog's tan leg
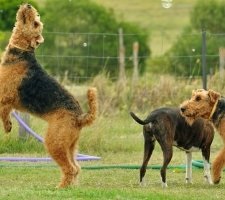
column 5, row 116
column 75, row 163
column 217, row 166
column 61, row 156
column 58, row 140
column 219, row 162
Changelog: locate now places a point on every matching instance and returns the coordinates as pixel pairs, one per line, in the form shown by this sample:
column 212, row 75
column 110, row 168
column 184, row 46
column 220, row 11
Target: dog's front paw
column 142, row 183
column 217, row 181
column 8, row 126
column 188, row 181
column 164, row 185
column 208, row 180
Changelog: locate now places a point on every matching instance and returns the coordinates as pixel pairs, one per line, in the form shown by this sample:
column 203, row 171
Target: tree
column 184, row 58
column 8, row 11
column 209, row 15
column 81, row 37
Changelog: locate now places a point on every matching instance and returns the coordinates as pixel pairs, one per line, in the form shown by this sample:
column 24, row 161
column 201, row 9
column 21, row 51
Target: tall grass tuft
column 149, row 92
column 12, row 143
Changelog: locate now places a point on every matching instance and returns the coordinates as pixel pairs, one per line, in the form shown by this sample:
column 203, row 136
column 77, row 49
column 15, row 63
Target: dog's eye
column 36, row 24
column 198, row 98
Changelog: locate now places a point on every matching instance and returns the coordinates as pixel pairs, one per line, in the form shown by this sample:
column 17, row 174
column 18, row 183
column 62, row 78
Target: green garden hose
column 195, row 164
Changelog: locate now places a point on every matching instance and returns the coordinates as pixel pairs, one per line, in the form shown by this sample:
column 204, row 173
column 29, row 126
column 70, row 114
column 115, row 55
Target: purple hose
column 25, row 159
column 27, row 128
column 40, row 139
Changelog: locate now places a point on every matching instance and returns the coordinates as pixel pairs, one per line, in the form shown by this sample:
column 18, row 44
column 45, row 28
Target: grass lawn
column 27, row 182
column 118, row 140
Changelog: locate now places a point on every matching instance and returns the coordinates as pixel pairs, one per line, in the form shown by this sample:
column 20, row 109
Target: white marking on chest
column 192, row 149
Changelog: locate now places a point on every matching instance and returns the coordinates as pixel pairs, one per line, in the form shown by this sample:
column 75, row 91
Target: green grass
column 38, row 183
column 118, row 140
column 115, row 136
column 121, row 143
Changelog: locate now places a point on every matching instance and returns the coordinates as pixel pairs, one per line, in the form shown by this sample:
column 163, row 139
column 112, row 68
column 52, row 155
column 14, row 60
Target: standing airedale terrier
column 25, row 86
column 209, row 105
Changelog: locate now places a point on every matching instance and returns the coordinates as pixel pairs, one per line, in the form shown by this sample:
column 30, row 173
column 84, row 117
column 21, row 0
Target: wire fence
column 79, row 54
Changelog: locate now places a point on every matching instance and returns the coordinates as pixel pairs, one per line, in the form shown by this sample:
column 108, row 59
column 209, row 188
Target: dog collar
column 214, row 109
column 30, row 49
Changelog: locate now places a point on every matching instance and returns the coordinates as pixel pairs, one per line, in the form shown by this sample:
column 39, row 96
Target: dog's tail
column 90, row 116
column 142, row 122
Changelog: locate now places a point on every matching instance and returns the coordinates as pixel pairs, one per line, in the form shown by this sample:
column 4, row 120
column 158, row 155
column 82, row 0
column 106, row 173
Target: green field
column 118, row 140
column 38, row 183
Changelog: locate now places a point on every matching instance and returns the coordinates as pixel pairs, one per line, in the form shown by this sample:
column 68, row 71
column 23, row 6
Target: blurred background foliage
column 74, row 32
column 8, row 11
column 205, row 16
column 81, row 37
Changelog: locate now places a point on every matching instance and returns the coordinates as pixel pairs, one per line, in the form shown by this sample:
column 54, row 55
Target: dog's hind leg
column 73, row 161
column 207, row 173
column 61, row 157
column 149, row 145
column 205, row 157
column 167, row 150
column 219, row 161
column 188, row 176
column 58, row 140
column 217, row 166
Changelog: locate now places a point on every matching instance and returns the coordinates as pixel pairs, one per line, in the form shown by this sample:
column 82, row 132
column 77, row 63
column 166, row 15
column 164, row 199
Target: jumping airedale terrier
column 25, row 86
column 169, row 128
column 209, row 105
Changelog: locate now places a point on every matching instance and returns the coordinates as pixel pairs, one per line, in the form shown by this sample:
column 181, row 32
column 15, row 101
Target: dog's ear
column 214, row 96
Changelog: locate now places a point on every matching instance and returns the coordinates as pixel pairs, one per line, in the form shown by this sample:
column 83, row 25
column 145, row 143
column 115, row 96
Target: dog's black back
column 40, row 93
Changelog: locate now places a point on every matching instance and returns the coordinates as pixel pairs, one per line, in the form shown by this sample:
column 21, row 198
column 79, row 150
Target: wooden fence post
column 122, row 75
column 222, row 62
column 22, row 132
column 204, row 74
column 135, row 62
